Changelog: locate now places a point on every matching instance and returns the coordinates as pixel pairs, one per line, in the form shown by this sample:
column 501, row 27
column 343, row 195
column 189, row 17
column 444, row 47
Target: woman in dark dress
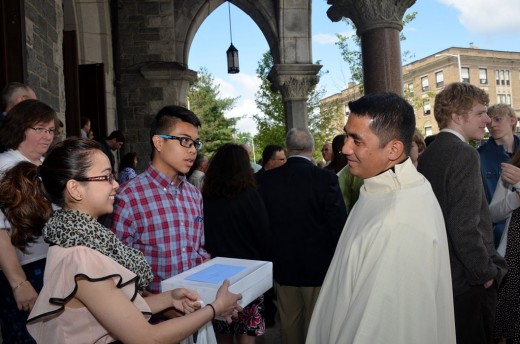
column 235, row 226
column 339, row 160
column 505, row 205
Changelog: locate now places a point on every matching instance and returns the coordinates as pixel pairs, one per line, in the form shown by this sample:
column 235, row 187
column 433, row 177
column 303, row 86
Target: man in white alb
column 389, row 280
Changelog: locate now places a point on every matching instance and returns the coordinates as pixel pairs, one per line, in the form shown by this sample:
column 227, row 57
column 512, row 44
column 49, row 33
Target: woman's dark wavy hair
column 24, row 115
column 339, row 160
column 229, row 172
column 23, row 204
column 127, row 161
column 28, row 190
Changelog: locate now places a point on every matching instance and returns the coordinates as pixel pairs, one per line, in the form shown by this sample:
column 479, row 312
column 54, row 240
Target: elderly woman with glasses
column 25, row 135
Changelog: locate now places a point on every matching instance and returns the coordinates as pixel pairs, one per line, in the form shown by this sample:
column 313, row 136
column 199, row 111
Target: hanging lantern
column 232, row 52
column 232, row 60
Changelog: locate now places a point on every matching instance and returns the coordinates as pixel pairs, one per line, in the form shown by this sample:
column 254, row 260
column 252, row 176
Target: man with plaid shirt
column 159, row 212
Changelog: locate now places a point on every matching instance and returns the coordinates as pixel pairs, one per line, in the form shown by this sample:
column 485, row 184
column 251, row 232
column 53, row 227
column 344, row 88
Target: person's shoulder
column 82, row 260
column 189, row 187
column 9, row 159
column 141, row 181
column 322, row 172
column 10, row 156
column 76, row 256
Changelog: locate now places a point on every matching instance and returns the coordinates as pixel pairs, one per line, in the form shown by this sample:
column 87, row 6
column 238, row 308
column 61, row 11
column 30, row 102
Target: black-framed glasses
column 109, row 178
column 41, row 131
column 186, row 142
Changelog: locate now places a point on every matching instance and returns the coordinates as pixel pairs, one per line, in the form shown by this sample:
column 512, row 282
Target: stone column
column 294, row 81
column 378, row 24
column 174, row 79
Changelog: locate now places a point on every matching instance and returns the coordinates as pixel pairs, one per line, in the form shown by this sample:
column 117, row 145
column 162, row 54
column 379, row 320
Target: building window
column 439, row 79
column 502, row 98
column 425, row 86
column 410, row 90
column 464, row 71
column 428, row 131
column 426, row 107
column 483, row 76
column 503, row 77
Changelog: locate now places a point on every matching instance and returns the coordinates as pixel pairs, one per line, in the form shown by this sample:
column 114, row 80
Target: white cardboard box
column 251, row 278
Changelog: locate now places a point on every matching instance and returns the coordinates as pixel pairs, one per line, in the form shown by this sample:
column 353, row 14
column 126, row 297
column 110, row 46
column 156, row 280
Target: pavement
column 271, row 336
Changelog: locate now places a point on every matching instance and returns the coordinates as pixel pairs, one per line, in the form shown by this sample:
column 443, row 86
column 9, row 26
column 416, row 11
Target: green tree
column 270, row 122
column 350, row 47
column 204, row 100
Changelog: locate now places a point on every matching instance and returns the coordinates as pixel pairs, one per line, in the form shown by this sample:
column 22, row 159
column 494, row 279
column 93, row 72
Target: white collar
column 454, row 132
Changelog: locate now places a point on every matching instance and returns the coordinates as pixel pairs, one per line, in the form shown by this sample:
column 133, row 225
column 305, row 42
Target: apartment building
column 496, row 72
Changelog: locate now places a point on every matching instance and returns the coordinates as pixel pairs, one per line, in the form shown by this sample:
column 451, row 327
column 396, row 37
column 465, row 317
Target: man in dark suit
column 306, row 215
column 452, row 167
column 113, row 142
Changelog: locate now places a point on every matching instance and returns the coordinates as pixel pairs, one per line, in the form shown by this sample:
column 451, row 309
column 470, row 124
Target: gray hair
column 299, row 140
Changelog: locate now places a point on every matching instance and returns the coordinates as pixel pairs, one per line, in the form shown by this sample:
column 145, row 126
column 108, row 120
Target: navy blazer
column 306, row 216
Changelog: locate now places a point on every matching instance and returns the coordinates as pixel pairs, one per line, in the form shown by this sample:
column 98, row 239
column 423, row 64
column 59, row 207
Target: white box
column 254, row 278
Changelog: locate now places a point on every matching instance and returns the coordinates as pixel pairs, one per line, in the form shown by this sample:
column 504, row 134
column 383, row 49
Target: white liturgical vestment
column 389, row 281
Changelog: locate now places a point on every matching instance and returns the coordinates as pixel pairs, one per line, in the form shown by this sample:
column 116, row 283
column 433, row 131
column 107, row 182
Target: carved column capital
column 294, row 81
column 370, row 14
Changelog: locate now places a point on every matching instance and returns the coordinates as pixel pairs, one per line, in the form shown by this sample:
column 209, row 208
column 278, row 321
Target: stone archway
column 287, row 32
column 155, row 40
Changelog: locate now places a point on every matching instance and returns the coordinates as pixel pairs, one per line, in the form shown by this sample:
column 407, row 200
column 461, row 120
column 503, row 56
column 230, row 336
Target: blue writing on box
column 216, row 273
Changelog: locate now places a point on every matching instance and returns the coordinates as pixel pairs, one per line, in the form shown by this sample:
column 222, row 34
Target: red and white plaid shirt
column 163, row 221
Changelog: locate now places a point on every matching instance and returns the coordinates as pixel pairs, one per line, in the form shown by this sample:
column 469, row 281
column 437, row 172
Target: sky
column 439, row 24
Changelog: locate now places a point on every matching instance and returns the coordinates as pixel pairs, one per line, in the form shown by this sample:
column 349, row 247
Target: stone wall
column 145, row 37
column 44, row 37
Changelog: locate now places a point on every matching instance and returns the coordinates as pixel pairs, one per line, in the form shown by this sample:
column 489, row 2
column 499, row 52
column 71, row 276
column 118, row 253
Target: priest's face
column 362, row 147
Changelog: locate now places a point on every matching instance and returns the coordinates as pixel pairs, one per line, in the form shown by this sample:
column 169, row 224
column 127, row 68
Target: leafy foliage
column 204, row 100
column 271, row 122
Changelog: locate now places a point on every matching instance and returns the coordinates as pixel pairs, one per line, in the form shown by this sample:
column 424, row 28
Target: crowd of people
column 391, row 240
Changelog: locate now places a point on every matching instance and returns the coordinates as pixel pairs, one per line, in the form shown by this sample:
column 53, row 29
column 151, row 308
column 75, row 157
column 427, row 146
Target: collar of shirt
column 162, row 180
column 299, row 156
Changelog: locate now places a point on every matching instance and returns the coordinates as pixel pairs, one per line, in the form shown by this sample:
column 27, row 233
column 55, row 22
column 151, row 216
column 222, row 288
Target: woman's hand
column 225, row 303
column 25, row 296
column 510, row 173
column 184, row 300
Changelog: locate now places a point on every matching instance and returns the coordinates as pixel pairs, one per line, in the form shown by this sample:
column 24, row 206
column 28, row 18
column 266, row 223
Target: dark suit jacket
column 453, row 169
column 108, row 152
column 306, row 216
